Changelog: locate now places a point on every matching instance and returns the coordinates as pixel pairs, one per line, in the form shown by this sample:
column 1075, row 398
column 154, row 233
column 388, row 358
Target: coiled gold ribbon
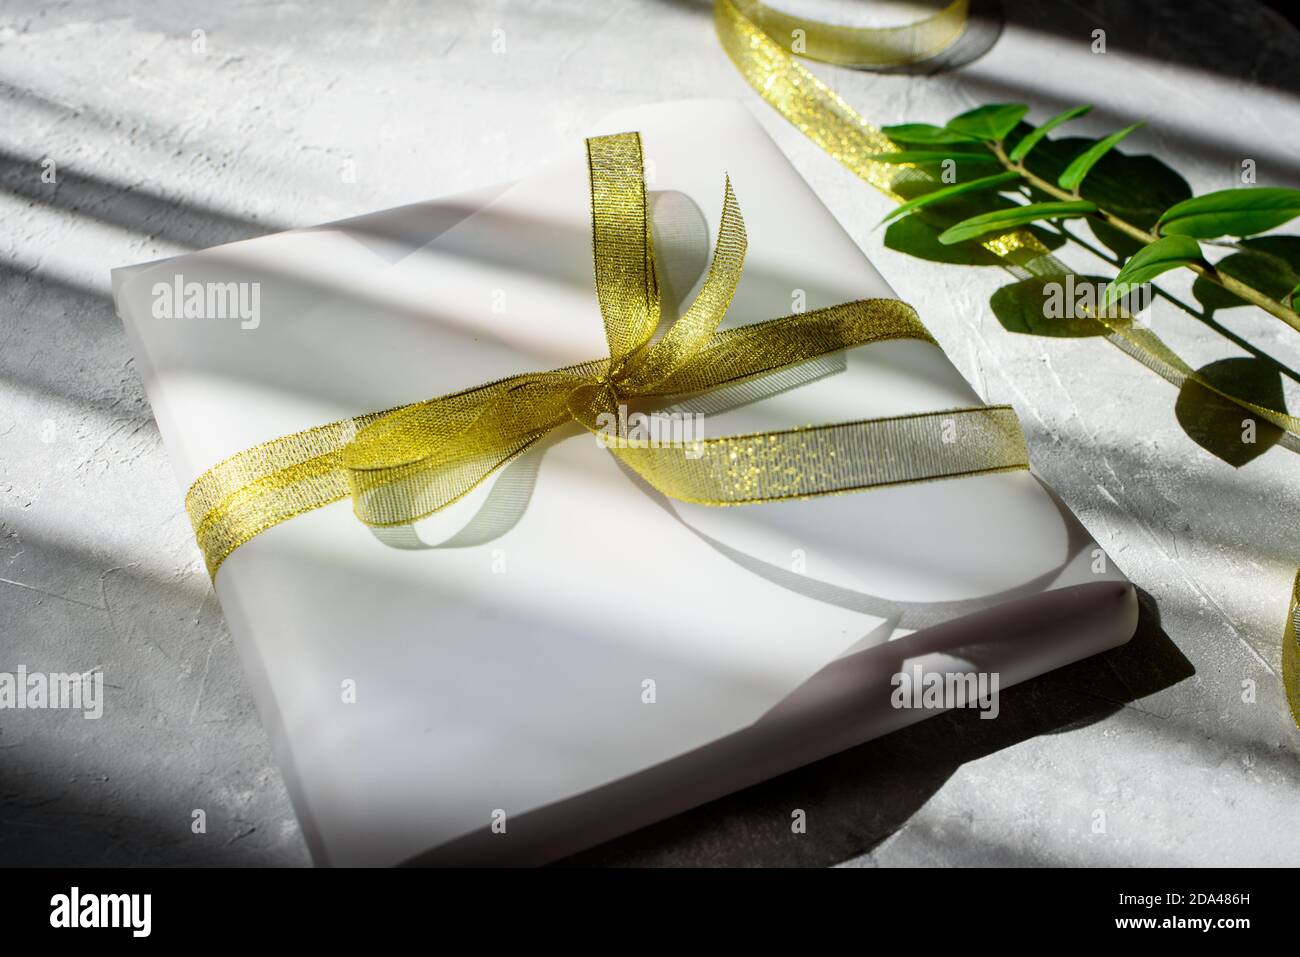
column 761, row 42
column 403, row 464
column 862, row 47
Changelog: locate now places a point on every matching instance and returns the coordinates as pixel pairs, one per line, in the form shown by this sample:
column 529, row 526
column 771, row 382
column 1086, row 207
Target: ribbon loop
column 689, row 334
column 622, row 247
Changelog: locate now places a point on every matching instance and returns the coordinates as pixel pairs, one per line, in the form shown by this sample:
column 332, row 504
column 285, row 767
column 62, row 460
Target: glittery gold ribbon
column 403, row 464
column 1291, row 651
column 761, row 41
column 863, row 47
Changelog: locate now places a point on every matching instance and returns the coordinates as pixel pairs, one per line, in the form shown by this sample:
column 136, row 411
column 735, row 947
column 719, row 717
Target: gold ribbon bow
column 403, row 464
column 760, row 41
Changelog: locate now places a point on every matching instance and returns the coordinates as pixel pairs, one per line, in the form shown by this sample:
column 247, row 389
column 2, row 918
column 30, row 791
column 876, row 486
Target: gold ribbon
column 761, row 41
column 403, row 464
column 1291, row 651
column 864, row 47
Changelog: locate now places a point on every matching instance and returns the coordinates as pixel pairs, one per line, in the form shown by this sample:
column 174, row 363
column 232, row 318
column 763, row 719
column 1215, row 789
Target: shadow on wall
column 129, row 207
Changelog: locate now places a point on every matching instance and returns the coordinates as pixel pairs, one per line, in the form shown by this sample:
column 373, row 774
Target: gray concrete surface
column 1152, row 754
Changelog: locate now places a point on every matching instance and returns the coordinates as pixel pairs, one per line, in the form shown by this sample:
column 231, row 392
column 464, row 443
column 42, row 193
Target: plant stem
column 1202, row 268
column 1204, row 316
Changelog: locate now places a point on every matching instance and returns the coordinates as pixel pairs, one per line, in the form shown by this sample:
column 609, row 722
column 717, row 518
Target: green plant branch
column 1204, row 269
column 1200, row 316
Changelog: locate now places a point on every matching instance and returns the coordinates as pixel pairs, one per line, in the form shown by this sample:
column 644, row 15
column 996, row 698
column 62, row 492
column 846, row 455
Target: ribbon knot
column 613, row 377
column 403, row 464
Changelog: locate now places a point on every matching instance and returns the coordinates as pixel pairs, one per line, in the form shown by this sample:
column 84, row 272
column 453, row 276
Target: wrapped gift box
column 566, row 655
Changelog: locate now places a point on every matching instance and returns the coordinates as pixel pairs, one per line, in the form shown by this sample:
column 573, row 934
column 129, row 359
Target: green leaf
column 1150, row 261
column 1291, row 298
column 932, row 157
column 1231, row 212
column 1015, row 216
column 948, row 192
column 925, row 134
column 1031, row 139
column 1079, row 166
column 991, row 122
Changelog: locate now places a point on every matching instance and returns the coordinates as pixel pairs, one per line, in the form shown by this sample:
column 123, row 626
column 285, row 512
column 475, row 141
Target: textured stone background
column 160, row 149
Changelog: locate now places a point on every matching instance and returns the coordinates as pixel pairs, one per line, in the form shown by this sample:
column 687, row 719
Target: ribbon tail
column 1291, row 651
column 833, row 459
